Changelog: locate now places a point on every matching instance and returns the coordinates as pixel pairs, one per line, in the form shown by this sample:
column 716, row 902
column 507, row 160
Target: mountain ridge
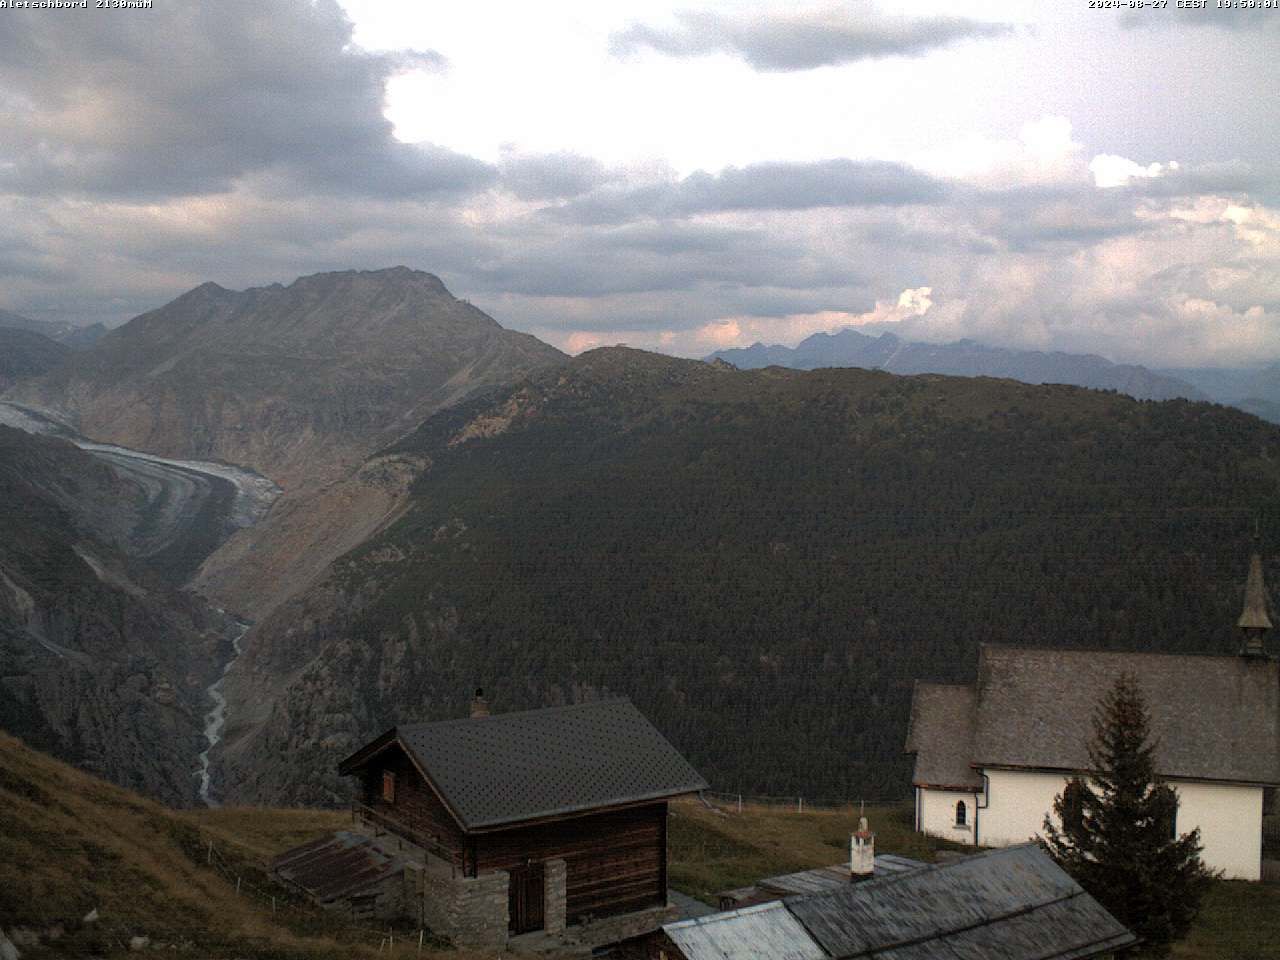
column 965, row 357
column 299, row 382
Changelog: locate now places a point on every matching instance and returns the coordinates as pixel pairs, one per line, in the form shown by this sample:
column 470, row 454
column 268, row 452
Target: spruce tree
column 1115, row 831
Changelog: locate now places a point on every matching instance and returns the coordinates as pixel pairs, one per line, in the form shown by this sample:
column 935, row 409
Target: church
column 991, row 756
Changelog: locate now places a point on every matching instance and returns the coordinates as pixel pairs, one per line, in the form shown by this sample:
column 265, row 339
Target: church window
column 962, row 814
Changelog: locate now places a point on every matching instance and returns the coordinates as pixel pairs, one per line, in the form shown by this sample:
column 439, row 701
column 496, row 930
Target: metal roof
column 512, row 767
column 1010, row 904
column 336, row 866
column 766, row 931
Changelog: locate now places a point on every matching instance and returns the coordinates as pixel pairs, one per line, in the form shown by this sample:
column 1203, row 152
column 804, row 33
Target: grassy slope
column 715, row 851
column 70, row 843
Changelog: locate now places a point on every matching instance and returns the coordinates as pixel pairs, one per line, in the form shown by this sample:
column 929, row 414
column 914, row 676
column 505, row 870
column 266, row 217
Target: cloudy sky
column 680, row 177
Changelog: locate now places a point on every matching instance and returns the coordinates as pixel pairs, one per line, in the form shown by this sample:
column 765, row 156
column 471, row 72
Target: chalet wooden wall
column 614, row 862
column 416, row 804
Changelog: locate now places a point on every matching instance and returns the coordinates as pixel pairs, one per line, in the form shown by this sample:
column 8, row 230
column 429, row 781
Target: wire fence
column 283, row 903
column 293, row 902
column 738, row 802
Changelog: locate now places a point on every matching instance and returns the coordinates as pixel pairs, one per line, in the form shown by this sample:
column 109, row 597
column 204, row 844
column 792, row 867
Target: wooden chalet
column 569, row 802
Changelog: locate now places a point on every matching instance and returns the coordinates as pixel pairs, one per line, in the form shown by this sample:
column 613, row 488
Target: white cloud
column 1110, row 170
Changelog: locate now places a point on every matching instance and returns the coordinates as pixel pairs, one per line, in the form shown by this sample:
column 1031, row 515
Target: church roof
column 940, row 733
column 513, row 767
column 1212, row 718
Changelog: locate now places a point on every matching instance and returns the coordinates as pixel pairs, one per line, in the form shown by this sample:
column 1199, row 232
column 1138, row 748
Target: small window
column 388, row 786
column 962, row 814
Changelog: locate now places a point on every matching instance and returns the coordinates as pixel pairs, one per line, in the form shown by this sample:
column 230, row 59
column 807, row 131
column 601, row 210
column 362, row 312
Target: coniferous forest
column 766, row 561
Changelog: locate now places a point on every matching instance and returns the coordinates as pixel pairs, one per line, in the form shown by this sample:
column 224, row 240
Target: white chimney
column 862, row 853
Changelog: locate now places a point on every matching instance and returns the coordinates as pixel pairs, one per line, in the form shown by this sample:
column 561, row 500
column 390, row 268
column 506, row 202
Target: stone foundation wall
column 612, row 929
column 470, row 911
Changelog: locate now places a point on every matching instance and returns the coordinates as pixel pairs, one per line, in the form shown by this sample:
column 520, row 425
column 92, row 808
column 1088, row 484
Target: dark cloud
column 804, row 40
column 761, row 186
column 1231, row 177
column 191, row 97
column 551, row 176
column 1248, row 19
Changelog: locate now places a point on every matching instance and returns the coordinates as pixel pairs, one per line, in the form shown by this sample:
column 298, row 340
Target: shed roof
column 940, row 734
column 767, row 931
column 513, row 767
column 1013, row 904
column 337, row 866
column 1212, row 717
column 836, row 877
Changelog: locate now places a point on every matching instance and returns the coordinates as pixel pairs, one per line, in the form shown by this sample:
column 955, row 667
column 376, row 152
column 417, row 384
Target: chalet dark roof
column 940, row 734
column 1213, row 718
column 512, row 767
column 1012, row 904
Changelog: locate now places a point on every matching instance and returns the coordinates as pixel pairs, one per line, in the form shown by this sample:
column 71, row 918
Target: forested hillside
column 764, row 561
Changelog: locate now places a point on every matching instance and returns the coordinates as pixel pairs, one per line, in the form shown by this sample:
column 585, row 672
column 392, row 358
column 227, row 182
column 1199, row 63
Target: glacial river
column 193, row 506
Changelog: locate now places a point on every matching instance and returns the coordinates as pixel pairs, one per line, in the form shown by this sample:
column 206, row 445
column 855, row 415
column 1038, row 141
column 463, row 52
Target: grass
column 713, row 850
column 70, row 844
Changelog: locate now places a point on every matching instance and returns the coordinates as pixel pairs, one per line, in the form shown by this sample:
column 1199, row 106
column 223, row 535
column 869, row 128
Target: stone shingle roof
column 940, row 734
column 1213, row 718
column 513, row 767
column 1013, row 904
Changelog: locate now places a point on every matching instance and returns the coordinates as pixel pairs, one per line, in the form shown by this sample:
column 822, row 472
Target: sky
column 681, row 177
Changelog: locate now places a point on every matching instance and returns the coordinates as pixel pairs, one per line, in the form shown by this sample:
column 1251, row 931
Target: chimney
column 479, row 705
column 1254, row 620
column 862, row 853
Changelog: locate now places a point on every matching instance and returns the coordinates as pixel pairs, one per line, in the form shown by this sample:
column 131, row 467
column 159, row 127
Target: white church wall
column 1229, row 816
column 1016, row 805
column 1230, row 822
column 936, row 814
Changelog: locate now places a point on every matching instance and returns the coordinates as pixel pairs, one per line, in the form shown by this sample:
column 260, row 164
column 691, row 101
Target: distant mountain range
column 76, row 337
column 24, row 353
column 963, row 358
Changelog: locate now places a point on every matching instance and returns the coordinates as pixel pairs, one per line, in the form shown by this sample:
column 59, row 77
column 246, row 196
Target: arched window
column 962, row 814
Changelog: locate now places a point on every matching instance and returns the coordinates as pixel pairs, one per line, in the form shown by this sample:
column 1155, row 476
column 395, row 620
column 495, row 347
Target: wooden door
column 525, row 898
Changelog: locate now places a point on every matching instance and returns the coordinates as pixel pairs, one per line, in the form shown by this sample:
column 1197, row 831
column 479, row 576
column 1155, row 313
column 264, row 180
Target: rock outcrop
column 300, row 383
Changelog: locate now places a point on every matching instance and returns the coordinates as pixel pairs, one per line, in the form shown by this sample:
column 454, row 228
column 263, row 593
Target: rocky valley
column 405, row 501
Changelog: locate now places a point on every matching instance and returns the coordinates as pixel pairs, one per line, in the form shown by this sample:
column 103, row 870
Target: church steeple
column 1254, row 620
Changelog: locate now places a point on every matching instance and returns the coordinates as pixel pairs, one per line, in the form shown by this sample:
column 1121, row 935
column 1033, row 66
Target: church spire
column 1254, row 620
